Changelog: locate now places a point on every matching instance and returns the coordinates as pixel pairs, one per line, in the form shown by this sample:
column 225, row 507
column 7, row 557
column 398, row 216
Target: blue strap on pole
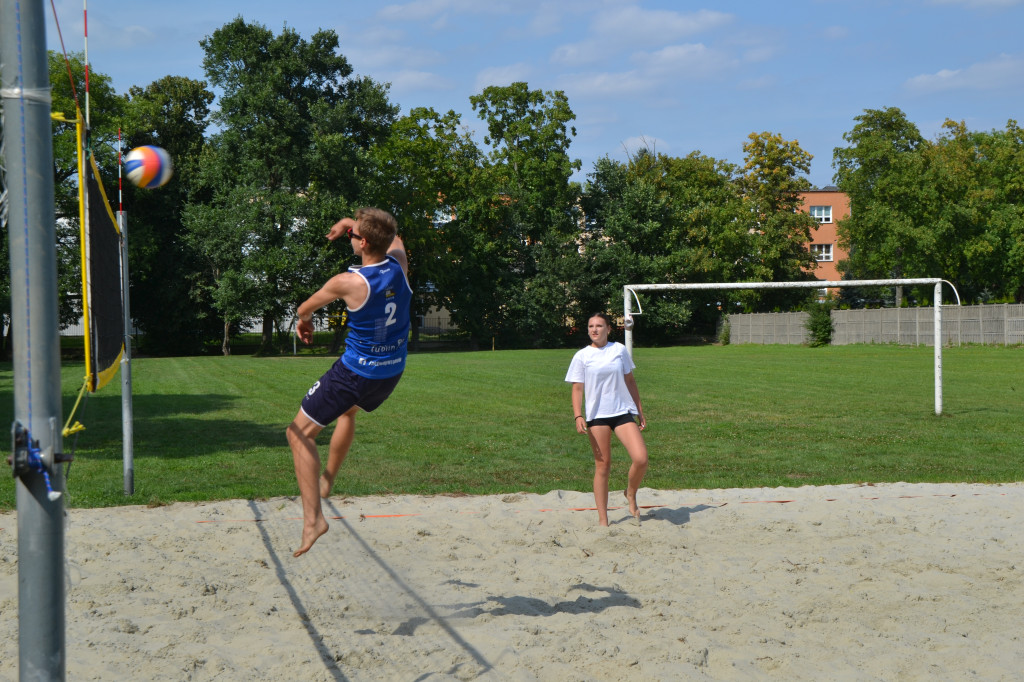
column 28, row 459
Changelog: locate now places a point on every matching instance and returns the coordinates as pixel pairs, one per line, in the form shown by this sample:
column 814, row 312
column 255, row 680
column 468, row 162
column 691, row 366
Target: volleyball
column 148, row 166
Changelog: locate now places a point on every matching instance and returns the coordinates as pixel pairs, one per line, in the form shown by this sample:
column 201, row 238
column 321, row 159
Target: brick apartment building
column 828, row 206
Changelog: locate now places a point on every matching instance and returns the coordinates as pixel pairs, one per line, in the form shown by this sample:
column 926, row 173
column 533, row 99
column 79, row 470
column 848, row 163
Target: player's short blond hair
column 377, row 227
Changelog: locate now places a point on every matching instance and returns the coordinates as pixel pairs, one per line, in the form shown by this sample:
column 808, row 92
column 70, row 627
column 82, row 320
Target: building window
column 823, row 214
column 821, row 252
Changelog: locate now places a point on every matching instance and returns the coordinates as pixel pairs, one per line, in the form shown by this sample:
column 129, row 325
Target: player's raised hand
column 340, row 228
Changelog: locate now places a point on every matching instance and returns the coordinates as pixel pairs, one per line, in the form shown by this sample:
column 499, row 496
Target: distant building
column 828, row 206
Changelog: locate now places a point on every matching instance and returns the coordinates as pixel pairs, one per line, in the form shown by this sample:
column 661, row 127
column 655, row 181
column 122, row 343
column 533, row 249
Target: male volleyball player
column 377, row 295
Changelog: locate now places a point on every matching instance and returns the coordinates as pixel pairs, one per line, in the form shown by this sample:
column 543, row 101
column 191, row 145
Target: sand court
column 890, row 581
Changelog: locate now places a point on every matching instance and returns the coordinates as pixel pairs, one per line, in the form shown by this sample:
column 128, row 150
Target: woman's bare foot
column 310, row 534
column 634, row 509
column 325, row 486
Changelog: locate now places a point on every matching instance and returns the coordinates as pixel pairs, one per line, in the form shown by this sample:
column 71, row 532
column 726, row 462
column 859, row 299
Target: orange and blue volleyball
column 148, row 166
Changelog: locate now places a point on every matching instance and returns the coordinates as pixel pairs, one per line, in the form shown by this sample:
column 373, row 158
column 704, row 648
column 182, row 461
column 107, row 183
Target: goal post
column 629, row 291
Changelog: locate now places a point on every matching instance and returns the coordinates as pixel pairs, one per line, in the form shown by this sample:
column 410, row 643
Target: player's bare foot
column 634, row 509
column 325, row 486
column 310, row 534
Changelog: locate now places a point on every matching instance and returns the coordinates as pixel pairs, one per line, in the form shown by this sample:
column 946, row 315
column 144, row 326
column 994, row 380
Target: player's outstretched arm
column 340, row 228
column 344, row 286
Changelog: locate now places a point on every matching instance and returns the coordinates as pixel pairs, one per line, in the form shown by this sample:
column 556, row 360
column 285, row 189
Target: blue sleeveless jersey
column 379, row 329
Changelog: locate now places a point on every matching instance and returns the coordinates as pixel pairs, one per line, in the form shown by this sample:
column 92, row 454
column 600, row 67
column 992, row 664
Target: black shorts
column 614, row 422
column 339, row 389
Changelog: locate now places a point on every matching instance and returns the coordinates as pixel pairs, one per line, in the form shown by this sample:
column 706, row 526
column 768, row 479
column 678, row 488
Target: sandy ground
column 883, row 582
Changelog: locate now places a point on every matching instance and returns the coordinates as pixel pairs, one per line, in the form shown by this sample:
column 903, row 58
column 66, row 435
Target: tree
column 1004, row 263
column 172, row 311
column 709, row 232
column 419, row 172
column 883, row 172
column 978, row 218
column 661, row 219
column 628, row 218
column 294, row 130
column 778, row 230
column 520, row 212
column 949, row 209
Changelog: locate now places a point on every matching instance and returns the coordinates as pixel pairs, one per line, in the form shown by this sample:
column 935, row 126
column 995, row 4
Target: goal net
column 629, row 295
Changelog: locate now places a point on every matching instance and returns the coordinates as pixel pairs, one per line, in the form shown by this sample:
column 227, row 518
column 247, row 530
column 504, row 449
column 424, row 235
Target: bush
column 819, row 322
column 723, row 333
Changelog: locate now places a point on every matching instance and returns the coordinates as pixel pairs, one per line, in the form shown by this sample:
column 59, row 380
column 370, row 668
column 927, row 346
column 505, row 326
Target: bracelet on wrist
column 579, row 417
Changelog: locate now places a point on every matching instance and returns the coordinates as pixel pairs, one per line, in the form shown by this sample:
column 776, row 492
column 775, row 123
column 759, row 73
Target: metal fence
column 999, row 324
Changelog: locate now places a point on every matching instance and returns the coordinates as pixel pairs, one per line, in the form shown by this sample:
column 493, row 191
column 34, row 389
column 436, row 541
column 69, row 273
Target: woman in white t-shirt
column 603, row 372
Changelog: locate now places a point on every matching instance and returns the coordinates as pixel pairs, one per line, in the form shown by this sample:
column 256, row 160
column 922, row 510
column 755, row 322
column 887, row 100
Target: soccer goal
column 629, row 293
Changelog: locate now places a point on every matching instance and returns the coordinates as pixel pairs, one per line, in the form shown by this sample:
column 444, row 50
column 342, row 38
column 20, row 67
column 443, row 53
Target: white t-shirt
column 602, row 372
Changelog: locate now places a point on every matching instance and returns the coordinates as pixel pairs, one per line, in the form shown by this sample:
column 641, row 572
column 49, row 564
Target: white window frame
column 822, row 252
column 823, row 214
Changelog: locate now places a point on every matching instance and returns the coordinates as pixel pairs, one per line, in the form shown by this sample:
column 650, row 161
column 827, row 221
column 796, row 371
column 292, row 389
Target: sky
column 673, row 76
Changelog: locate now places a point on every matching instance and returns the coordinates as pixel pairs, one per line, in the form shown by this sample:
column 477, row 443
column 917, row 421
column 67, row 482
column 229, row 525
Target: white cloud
column 606, row 85
column 979, row 3
column 637, row 26
column 129, row 36
column 435, row 10
column 620, row 30
column 412, row 81
column 632, row 145
column 371, row 57
column 578, row 54
column 502, row 76
column 547, row 20
column 1005, row 72
column 684, row 61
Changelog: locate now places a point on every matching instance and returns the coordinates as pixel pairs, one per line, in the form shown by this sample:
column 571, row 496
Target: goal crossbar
column 629, row 291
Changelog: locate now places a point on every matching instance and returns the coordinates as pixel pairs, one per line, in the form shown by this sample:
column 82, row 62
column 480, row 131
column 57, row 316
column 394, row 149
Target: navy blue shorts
column 339, row 389
column 614, row 422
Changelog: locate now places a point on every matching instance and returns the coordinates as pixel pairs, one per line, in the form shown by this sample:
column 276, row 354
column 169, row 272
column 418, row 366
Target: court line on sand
column 398, row 516
column 552, row 509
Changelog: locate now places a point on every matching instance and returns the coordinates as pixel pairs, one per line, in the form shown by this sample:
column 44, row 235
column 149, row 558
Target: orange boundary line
column 643, row 506
column 399, row 516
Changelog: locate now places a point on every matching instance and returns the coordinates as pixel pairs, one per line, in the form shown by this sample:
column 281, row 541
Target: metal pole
column 126, row 365
column 938, row 348
column 28, row 156
column 627, row 311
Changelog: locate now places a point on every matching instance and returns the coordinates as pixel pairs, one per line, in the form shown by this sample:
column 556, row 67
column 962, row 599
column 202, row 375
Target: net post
column 36, row 438
column 627, row 312
column 938, row 348
column 127, row 418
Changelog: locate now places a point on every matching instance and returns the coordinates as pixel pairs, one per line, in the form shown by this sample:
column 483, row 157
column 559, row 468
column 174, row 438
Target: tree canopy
column 947, row 208
column 293, row 129
column 497, row 230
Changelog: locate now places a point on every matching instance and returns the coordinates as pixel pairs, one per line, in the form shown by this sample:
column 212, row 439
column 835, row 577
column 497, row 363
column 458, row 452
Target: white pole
column 938, row 348
column 127, row 437
column 627, row 312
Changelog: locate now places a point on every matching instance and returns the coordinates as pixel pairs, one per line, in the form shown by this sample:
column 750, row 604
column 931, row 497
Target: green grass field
column 494, row 422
